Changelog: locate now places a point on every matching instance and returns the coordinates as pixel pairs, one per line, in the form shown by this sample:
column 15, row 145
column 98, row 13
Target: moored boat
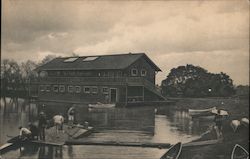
column 173, row 152
column 201, row 112
column 101, row 105
column 239, row 152
column 13, row 143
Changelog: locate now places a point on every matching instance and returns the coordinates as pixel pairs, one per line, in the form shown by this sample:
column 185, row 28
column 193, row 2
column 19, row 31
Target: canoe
column 173, row 152
column 101, row 105
column 201, row 112
column 245, row 122
column 13, row 143
column 239, row 152
column 235, row 124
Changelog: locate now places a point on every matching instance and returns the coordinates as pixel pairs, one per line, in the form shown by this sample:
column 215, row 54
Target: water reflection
column 140, row 124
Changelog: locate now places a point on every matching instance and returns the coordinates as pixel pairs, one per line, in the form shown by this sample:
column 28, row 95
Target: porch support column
column 143, row 93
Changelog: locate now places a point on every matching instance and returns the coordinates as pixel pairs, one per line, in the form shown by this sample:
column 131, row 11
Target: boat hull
column 173, row 152
column 239, row 152
column 101, row 106
column 201, row 112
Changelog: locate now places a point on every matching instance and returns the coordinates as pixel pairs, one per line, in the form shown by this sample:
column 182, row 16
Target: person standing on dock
column 71, row 116
column 58, row 122
column 218, row 121
column 34, row 131
column 41, row 125
column 24, row 133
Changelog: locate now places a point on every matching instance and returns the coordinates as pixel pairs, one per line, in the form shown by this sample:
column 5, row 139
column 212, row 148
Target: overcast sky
column 211, row 34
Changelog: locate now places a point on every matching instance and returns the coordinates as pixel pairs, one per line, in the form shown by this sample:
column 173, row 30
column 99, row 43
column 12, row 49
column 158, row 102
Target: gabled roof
column 101, row 62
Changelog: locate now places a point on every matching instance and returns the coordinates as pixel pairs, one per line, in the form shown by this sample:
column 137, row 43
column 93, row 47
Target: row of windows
column 72, row 89
column 134, row 72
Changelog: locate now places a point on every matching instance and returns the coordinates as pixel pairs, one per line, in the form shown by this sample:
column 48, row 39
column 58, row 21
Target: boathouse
column 119, row 78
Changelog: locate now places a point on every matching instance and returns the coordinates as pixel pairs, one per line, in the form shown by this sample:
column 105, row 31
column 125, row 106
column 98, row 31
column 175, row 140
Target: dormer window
column 71, row 59
column 143, row 72
column 134, row 72
column 90, row 58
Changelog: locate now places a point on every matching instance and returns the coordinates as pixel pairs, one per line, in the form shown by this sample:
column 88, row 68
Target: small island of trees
column 195, row 81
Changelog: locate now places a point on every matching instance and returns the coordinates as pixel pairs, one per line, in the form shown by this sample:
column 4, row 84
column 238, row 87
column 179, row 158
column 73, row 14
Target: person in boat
column 218, row 120
column 42, row 122
column 24, row 133
column 58, row 122
column 34, row 131
column 71, row 116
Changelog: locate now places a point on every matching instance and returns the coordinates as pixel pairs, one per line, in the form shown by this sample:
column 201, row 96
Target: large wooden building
column 120, row 78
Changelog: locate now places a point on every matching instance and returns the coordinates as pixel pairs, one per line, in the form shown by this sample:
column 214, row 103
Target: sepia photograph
column 125, row 79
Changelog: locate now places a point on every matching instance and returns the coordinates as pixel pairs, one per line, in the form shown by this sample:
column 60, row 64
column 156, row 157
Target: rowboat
column 245, row 122
column 201, row 112
column 101, row 105
column 13, row 143
column 222, row 112
column 239, row 152
column 173, row 152
column 235, row 124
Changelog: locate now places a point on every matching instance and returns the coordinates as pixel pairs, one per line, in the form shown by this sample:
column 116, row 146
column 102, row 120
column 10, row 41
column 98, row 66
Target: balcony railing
column 124, row 80
column 130, row 81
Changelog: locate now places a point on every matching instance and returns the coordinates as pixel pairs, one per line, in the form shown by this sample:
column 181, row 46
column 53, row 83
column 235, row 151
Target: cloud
column 159, row 28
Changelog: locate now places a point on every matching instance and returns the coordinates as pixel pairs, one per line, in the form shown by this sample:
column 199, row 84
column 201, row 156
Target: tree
column 11, row 79
column 47, row 59
column 194, row 81
column 27, row 70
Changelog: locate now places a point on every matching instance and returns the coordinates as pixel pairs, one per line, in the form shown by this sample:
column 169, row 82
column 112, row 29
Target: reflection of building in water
column 140, row 119
column 183, row 121
column 120, row 79
column 50, row 152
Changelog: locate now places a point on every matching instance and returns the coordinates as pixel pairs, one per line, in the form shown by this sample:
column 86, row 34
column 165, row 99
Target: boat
column 13, row 143
column 245, row 122
column 201, row 112
column 235, row 124
column 239, row 152
column 101, row 105
column 173, row 152
column 222, row 112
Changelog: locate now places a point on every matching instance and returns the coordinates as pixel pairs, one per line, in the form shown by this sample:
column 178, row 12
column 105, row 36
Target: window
column 86, row 89
column 91, row 58
column 78, row 89
column 105, row 74
column 55, row 88
column 94, row 90
column 61, row 88
column 42, row 88
column 71, row 59
column 70, row 89
column 43, row 74
column 134, row 72
column 105, row 90
column 143, row 72
column 47, row 88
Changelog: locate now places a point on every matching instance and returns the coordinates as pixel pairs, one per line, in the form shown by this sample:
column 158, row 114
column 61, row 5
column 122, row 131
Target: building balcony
column 128, row 81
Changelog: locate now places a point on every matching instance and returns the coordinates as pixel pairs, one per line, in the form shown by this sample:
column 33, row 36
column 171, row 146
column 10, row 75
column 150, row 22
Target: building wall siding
column 142, row 64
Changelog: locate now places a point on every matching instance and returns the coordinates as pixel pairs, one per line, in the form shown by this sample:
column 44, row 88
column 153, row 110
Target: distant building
column 120, row 79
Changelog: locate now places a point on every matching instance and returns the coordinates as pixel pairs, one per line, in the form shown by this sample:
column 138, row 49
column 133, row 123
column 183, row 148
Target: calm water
column 140, row 124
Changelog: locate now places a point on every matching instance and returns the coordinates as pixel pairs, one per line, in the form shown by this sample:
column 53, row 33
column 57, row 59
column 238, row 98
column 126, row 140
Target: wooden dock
column 57, row 138
column 111, row 143
column 5, row 147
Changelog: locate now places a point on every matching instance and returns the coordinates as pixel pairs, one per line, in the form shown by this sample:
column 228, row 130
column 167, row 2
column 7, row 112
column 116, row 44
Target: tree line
column 15, row 77
column 195, row 81
column 183, row 81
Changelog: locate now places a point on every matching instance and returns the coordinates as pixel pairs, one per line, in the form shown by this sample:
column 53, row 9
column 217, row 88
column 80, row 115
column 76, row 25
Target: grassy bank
column 237, row 109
